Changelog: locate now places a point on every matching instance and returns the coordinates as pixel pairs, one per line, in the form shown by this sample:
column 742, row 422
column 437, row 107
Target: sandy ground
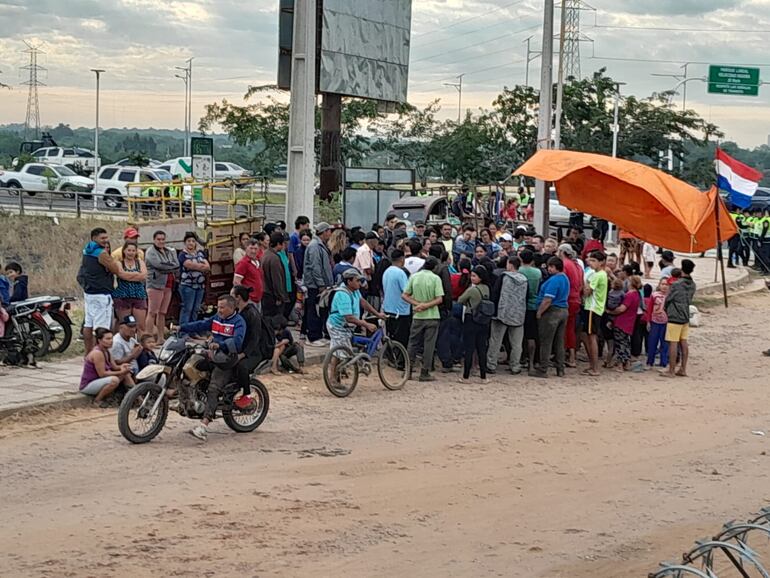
column 574, row 477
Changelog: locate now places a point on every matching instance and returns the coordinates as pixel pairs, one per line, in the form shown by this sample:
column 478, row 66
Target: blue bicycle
column 343, row 363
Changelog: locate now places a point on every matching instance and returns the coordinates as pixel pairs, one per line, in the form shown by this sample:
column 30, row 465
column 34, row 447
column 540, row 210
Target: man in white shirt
column 365, row 255
column 413, row 262
column 125, row 347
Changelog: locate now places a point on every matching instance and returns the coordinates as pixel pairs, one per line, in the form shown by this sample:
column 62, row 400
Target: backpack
column 484, row 312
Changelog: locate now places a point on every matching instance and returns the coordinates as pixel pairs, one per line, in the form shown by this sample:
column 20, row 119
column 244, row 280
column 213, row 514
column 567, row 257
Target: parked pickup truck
column 39, row 177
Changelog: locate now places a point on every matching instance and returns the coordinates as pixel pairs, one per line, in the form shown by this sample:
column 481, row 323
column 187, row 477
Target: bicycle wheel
column 393, row 365
column 343, row 380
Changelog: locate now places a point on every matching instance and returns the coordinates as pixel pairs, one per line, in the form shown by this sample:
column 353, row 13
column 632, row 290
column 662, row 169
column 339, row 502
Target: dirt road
column 574, row 478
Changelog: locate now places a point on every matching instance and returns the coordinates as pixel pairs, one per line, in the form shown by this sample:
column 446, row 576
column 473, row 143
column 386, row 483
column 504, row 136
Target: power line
column 616, row 58
column 669, row 29
column 495, row 39
column 507, row 50
column 474, row 31
column 481, row 15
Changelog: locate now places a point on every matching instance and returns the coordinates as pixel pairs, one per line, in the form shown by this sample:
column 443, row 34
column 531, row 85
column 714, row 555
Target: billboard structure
column 365, row 48
column 362, row 48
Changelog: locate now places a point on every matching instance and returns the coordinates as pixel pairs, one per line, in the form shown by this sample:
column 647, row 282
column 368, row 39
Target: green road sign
column 202, row 146
column 737, row 80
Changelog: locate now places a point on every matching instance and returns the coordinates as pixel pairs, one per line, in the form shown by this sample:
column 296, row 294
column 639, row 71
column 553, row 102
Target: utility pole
column 615, row 123
column 531, row 55
column 542, row 216
column 185, row 78
column 33, row 102
column 301, row 161
column 189, row 104
column 98, row 72
column 459, row 87
column 560, row 78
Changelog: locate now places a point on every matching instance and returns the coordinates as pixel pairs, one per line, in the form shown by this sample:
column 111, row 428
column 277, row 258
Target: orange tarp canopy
column 646, row 202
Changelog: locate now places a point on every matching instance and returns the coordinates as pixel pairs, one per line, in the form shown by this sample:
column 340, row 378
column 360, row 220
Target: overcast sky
column 138, row 43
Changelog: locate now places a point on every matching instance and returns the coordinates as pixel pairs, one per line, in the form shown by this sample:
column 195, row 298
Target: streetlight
column 459, row 87
column 186, row 90
column 98, row 72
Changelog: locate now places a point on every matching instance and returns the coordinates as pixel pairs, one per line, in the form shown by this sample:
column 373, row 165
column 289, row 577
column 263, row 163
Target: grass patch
column 49, row 253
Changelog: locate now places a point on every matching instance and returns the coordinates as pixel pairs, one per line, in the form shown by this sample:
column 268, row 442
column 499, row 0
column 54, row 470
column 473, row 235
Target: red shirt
column 591, row 245
column 575, row 276
column 253, row 276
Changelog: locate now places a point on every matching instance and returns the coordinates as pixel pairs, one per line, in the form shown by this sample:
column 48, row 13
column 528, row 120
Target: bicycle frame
column 372, row 344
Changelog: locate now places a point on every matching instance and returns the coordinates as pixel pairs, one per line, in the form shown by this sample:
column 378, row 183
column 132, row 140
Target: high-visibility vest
column 758, row 222
column 762, row 222
column 749, row 222
column 173, row 191
column 524, row 199
column 149, row 191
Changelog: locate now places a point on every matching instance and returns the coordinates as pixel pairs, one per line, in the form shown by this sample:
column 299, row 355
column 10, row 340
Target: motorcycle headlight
column 165, row 355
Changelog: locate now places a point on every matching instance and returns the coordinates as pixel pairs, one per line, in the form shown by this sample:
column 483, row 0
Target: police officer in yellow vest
column 734, row 244
column 764, row 241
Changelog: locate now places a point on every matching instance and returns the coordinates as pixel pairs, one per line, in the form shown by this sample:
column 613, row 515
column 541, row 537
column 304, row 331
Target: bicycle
column 393, row 365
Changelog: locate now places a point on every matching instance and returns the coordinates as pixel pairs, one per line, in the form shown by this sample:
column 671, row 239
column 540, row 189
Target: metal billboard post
column 301, row 160
column 542, row 216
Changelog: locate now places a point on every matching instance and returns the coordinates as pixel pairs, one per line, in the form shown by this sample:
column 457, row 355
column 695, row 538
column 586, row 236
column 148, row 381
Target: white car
column 40, row 177
column 112, row 182
column 224, row 171
column 72, row 157
column 558, row 214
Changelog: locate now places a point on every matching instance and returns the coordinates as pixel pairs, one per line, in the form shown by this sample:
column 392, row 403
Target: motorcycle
column 25, row 337
column 184, row 366
column 51, row 311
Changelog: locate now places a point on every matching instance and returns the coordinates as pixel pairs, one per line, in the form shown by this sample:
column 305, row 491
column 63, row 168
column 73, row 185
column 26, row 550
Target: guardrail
column 77, row 202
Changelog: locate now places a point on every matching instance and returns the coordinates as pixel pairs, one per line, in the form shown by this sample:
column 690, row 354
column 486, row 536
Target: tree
column 62, row 131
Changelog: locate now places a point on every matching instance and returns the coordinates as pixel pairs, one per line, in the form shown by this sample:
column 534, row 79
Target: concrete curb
column 55, row 402
column 710, row 289
column 62, row 401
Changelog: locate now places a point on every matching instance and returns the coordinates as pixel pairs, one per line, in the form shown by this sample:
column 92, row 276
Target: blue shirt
column 394, row 282
column 344, row 303
column 557, row 288
column 294, row 243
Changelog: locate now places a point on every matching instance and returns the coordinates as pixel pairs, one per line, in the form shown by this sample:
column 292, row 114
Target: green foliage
column 139, row 159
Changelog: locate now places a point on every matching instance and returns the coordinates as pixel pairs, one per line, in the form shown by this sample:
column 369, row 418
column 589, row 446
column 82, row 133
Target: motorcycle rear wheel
column 133, row 413
column 61, row 333
column 247, row 420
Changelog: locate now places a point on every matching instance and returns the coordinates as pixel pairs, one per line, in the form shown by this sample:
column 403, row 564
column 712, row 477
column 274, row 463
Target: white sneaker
column 200, row 432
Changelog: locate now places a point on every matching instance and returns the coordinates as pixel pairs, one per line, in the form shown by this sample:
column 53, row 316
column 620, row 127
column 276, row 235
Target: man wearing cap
column 506, row 243
column 345, row 312
column 125, row 347
column 419, row 229
column 317, row 277
column 666, row 264
column 130, row 234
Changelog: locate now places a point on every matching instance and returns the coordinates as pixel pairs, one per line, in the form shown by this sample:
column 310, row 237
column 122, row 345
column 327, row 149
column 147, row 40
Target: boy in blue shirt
column 552, row 316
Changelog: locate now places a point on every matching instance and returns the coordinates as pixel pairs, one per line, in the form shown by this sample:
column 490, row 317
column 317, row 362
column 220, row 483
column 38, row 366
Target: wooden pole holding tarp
column 720, row 256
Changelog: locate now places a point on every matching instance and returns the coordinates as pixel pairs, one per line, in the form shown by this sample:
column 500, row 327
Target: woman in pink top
column 657, row 325
column 625, row 320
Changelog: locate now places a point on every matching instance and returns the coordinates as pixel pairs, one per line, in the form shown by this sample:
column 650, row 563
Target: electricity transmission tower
column 33, row 102
column 570, row 44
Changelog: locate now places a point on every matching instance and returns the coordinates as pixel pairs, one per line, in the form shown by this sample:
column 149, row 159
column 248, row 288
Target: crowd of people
column 481, row 299
column 457, row 298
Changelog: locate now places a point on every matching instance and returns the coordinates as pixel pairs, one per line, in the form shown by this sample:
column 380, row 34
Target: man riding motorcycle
column 228, row 330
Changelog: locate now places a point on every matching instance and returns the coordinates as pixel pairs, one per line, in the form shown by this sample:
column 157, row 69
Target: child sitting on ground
column 286, row 348
column 147, row 356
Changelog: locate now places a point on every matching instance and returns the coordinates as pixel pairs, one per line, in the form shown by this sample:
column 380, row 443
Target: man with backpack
column 510, row 297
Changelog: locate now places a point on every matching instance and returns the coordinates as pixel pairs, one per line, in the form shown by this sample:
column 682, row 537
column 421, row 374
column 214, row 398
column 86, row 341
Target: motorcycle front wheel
column 136, row 421
column 249, row 418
